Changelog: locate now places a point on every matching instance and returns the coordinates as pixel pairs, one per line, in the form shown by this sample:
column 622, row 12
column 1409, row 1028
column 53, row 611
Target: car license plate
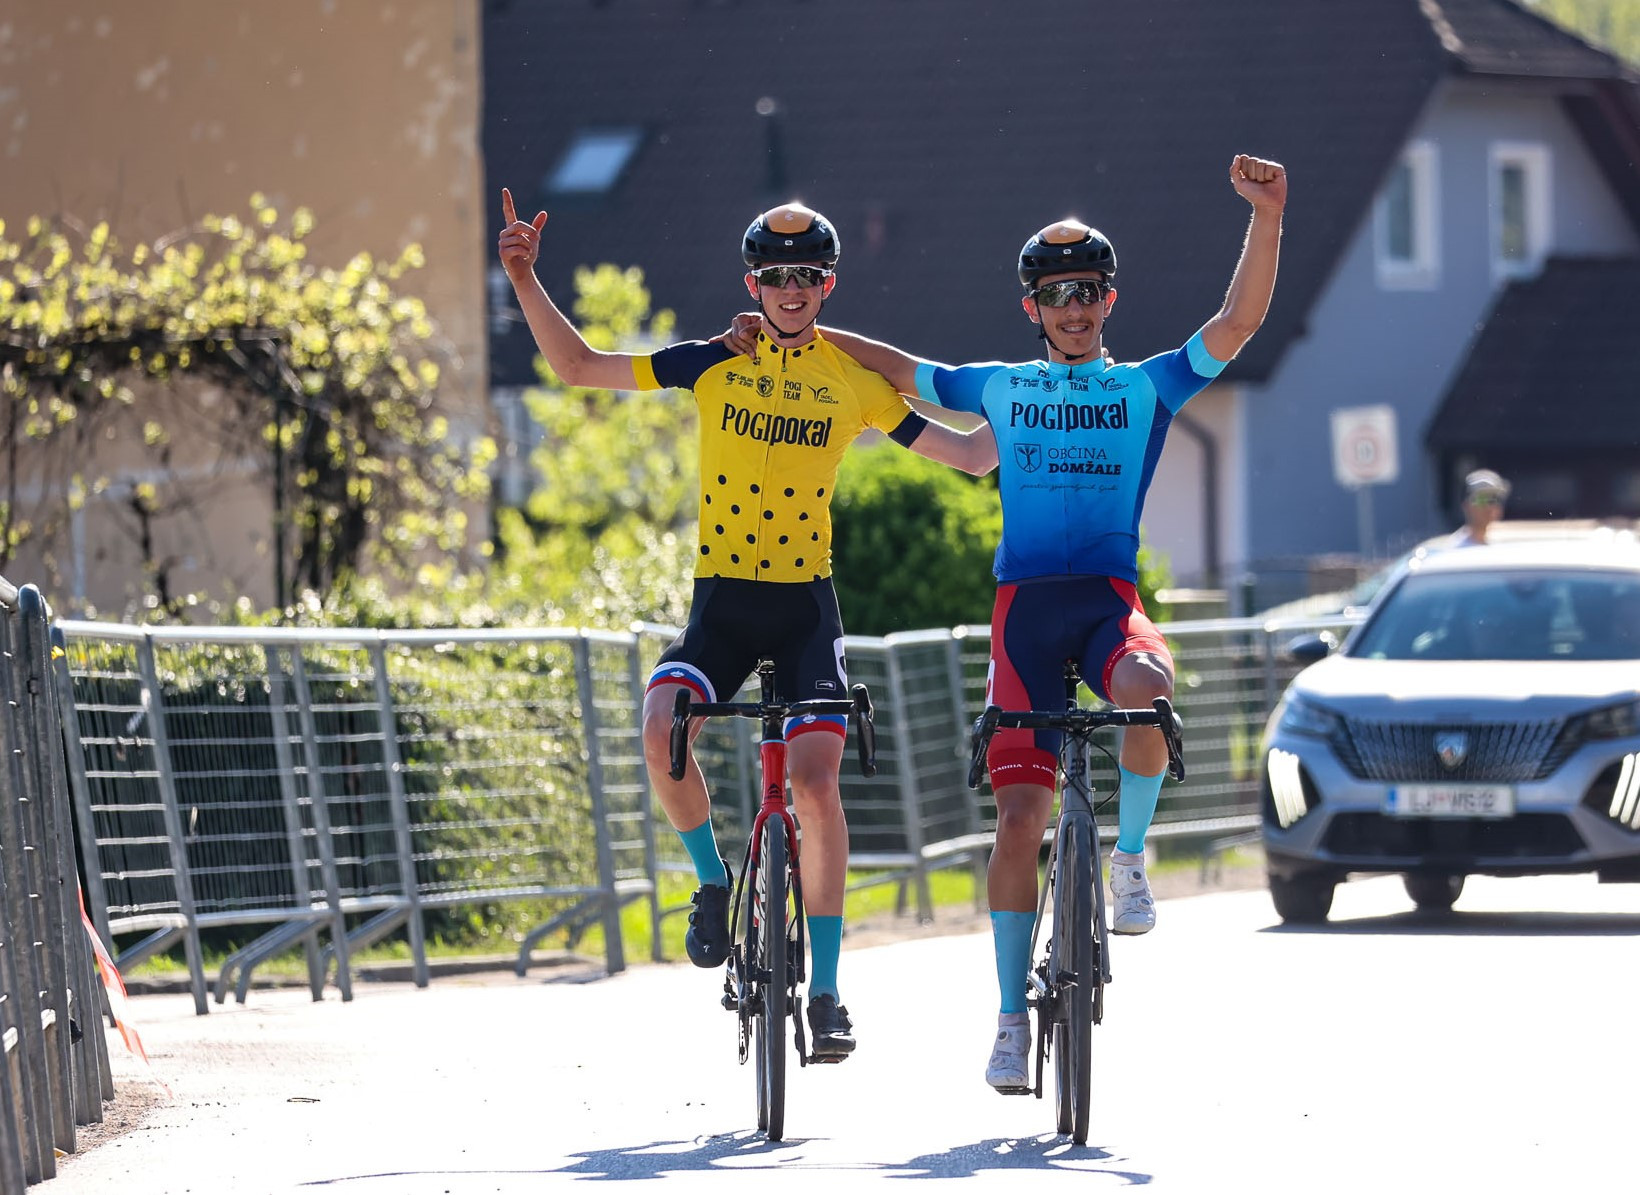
column 1450, row 800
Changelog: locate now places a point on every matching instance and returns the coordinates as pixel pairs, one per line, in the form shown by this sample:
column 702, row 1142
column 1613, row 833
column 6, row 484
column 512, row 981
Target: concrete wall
column 153, row 115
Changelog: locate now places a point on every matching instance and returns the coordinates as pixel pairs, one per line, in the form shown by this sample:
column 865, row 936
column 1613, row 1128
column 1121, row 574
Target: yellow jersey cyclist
column 774, row 424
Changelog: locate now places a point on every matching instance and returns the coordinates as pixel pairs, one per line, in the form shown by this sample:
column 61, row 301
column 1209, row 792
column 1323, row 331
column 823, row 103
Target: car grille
column 1491, row 752
column 1543, row 837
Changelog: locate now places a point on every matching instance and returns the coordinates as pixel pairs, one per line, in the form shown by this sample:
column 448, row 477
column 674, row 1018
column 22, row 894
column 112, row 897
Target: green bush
column 912, row 542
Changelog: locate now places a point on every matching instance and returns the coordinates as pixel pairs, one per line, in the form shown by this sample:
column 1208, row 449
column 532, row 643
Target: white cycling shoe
column 1009, row 1070
column 1135, row 911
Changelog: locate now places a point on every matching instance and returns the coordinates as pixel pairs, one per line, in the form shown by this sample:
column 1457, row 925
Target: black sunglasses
column 1086, row 291
column 778, row 276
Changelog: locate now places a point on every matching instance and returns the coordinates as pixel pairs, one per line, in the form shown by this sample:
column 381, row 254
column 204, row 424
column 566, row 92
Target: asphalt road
column 1492, row 1051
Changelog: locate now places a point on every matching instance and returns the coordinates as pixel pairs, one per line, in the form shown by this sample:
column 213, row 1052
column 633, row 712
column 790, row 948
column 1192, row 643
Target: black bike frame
column 1076, row 820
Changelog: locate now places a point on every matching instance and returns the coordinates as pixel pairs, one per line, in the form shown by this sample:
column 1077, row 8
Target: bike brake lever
column 980, row 742
column 1172, row 728
column 865, row 731
column 680, row 733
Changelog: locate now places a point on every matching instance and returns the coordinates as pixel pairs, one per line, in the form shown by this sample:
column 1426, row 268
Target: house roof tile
column 1553, row 366
column 939, row 134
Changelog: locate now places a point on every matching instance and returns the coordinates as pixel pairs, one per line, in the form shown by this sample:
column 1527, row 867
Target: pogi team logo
column 1028, row 457
column 765, row 386
column 822, row 394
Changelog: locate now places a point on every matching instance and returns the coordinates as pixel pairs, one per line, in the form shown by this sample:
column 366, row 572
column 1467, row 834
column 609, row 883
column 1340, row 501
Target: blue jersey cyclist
column 774, row 424
column 1078, row 438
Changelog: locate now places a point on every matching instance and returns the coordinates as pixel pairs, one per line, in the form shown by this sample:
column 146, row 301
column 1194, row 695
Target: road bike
column 766, row 965
column 1067, row 987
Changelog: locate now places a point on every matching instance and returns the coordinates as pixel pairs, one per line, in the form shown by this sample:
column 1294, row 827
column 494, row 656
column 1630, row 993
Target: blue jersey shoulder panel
column 956, row 388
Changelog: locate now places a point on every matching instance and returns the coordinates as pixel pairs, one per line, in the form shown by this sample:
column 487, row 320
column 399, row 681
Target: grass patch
column 950, row 888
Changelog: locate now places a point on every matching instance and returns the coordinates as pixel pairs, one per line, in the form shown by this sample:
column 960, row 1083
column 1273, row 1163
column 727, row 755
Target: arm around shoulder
column 973, row 451
column 900, row 368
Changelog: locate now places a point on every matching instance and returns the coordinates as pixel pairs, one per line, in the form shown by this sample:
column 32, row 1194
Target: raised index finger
column 508, row 212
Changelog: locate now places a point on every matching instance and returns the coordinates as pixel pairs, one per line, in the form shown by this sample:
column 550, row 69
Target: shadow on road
column 749, row 1151
column 1048, row 1152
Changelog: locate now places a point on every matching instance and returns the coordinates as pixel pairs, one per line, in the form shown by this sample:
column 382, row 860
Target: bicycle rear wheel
column 1072, row 968
column 770, row 967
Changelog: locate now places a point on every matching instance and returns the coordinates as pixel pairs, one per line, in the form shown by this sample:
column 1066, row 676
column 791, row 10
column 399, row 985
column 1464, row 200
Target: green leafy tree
column 329, row 377
column 912, row 542
column 607, row 538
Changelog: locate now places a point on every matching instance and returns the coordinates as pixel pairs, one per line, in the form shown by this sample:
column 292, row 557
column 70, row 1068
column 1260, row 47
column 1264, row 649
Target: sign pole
column 1364, row 455
column 1363, row 518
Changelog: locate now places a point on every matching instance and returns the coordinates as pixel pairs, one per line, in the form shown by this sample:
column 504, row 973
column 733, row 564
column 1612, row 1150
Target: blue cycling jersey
column 1077, row 447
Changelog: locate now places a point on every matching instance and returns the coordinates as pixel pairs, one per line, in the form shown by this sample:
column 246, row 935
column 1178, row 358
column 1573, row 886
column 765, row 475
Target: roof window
column 594, row 161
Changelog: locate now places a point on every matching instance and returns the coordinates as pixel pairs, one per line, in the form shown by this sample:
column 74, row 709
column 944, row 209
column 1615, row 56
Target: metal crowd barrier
column 325, row 789
column 56, row 1071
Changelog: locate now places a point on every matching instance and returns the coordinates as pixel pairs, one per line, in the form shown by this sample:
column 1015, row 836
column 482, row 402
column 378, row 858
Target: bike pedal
column 1012, row 1090
column 730, row 1003
column 827, row 1058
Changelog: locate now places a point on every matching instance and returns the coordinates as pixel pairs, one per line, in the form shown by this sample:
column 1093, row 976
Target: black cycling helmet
column 790, row 234
column 1063, row 248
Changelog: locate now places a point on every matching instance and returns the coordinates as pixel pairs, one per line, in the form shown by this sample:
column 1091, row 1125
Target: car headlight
column 1299, row 715
column 1620, row 721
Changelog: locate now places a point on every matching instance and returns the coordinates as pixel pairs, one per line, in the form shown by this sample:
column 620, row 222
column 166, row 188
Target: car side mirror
column 1307, row 649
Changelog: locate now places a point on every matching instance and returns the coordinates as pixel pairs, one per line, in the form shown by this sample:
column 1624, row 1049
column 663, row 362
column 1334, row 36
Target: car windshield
column 1513, row 615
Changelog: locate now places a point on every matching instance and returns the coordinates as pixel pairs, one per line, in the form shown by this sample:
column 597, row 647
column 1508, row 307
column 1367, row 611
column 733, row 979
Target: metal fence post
column 1272, row 689
column 651, row 867
column 15, row 855
column 154, row 708
column 291, row 805
column 15, row 1134
column 73, row 760
column 964, row 727
column 400, row 805
column 614, row 948
column 71, row 966
column 80, row 788
column 908, row 783
column 321, row 824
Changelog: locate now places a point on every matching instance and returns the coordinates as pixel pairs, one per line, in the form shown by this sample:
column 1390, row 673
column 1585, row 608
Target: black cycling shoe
column 830, row 1030
column 708, row 938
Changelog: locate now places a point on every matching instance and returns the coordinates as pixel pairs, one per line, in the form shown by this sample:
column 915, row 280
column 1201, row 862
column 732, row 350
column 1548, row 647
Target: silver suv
column 1484, row 719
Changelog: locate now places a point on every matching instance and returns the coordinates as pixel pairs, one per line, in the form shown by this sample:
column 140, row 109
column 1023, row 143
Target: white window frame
column 1534, row 160
column 1422, row 271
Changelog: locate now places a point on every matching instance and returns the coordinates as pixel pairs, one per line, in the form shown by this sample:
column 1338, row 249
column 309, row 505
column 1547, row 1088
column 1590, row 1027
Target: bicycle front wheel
column 770, row 961
column 1073, row 969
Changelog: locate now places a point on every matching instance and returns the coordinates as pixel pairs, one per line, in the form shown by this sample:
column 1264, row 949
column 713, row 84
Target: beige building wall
column 153, row 114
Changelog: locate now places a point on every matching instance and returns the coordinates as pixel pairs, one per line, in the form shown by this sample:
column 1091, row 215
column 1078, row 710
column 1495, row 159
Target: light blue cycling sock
column 1011, row 934
column 703, row 853
column 1135, row 808
column 825, row 944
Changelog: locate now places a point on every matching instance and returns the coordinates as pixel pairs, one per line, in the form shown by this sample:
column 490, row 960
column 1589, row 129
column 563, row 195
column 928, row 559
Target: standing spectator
column 1484, row 494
